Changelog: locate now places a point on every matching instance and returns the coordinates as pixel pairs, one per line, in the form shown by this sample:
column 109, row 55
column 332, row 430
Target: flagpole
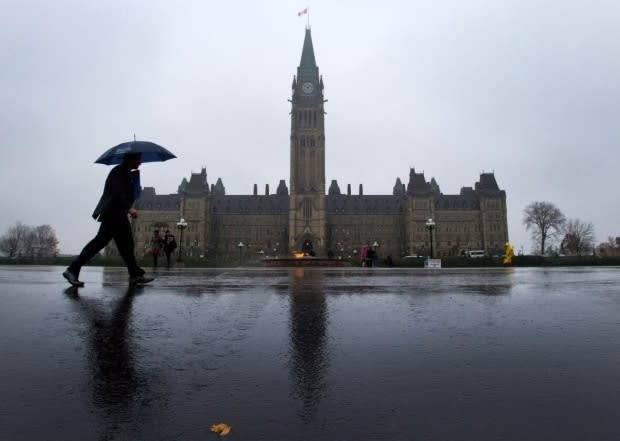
column 308, row 22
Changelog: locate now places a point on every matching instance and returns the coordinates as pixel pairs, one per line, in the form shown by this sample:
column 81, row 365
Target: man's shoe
column 140, row 280
column 72, row 279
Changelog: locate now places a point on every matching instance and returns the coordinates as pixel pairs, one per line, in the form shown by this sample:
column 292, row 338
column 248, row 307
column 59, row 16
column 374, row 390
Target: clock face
column 307, row 87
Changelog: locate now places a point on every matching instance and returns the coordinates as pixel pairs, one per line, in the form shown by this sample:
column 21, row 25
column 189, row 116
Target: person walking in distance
column 112, row 211
column 157, row 243
column 170, row 244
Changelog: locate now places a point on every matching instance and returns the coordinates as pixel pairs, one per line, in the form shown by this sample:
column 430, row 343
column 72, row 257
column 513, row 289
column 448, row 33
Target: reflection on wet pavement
column 117, row 388
column 308, row 333
column 311, row 354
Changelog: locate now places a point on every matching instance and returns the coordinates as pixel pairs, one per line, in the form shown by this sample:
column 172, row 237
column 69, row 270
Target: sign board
column 432, row 263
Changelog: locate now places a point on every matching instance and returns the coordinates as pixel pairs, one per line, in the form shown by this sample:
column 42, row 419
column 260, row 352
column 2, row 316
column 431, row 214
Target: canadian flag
column 300, row 13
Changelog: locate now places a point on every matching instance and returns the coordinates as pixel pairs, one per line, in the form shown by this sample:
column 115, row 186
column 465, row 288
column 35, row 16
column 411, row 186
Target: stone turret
column 398, row 188
column 334, row 188
column 196, row 185
column 417, row 183
column 282, row 188
column 219, row 189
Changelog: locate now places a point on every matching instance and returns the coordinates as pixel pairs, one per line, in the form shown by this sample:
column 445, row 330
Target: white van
column 475, row 254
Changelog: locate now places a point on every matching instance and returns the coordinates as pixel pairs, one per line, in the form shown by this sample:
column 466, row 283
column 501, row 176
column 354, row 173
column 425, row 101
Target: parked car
column 475, row 254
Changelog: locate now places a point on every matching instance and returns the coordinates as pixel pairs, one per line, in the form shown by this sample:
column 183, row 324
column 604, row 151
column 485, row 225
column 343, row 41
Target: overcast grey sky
column 529, row 89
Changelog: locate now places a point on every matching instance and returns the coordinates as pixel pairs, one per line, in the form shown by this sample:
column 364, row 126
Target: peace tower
column 307, row 219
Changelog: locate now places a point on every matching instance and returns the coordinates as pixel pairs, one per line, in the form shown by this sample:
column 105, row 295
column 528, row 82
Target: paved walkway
column 334, row 354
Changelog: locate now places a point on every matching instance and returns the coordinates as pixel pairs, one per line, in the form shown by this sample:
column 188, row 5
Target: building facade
column 308, row 218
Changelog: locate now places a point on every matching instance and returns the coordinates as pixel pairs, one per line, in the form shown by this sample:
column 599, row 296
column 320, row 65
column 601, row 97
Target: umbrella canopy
column 150, row 152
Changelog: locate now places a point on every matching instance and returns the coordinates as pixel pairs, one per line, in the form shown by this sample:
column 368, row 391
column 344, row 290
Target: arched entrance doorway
column 307, row 248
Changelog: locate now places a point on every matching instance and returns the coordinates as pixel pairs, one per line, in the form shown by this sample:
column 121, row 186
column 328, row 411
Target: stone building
column 309, row 218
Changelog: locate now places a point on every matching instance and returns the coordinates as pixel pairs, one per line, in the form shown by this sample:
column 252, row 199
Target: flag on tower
column 300, row 13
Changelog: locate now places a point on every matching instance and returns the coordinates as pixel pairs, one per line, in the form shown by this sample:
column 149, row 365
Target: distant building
column 308, row 217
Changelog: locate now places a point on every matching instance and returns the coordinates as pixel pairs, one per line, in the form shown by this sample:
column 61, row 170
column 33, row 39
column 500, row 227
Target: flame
column 298, row 254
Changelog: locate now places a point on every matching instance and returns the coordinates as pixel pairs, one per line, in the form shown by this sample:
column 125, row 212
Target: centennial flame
column 298, row 254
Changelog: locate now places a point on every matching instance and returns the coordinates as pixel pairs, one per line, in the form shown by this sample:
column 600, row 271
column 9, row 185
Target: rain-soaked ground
column 311, row 354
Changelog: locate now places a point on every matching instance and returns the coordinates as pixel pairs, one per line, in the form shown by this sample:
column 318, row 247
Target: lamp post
column 240, row 245
column 340, row 249
column 181, row 225
column 373, row 254
column 430, row 224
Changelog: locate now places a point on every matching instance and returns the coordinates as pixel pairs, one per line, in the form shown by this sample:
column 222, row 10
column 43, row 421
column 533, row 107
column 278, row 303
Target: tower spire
column 307, row 55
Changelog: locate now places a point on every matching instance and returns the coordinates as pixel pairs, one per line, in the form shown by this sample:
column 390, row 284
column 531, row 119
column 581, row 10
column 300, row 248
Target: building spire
column 307, row 54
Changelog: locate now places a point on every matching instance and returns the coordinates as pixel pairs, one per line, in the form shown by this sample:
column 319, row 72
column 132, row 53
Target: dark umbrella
column 151, row 152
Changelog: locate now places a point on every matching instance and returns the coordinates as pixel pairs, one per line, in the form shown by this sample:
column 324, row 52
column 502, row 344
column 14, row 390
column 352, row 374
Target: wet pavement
column 311, row 354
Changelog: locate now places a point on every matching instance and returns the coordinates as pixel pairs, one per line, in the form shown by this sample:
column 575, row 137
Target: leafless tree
column 45, row 237
column 578, row 237
column 12, row 243
column 22, row 239
column 545, row 220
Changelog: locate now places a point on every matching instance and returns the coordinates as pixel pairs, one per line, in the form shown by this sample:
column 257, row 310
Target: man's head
column 133, row 160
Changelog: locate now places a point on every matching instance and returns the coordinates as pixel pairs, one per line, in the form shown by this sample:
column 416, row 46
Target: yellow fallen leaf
column 221, row 428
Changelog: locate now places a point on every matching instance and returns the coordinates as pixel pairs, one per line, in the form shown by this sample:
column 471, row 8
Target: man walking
column 112, row 210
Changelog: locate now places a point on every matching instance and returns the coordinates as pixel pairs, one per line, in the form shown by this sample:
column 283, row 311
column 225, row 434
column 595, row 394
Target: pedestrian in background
column 157, row 243
column 170, row 244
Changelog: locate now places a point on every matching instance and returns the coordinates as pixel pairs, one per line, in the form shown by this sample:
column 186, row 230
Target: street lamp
column 240, row 245
column 181, row 225
column 430, row 224
column 371, row 256
column 340, row 249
